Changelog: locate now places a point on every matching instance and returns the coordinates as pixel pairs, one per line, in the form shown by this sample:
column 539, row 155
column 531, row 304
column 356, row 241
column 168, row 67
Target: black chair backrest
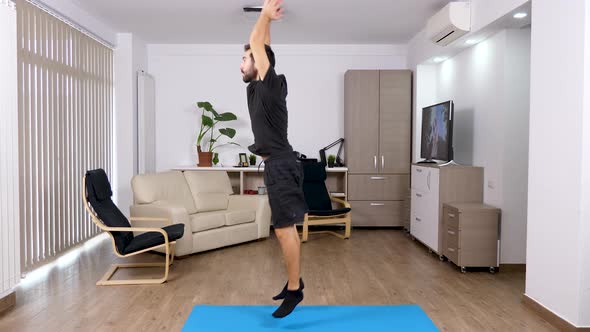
column 98, row 191
column 314, row 186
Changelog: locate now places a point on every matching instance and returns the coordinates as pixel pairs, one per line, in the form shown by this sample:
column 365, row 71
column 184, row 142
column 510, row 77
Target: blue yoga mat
column 310, row 318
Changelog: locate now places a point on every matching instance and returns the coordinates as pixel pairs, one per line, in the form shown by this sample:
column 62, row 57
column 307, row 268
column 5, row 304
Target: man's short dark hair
column 269, row 53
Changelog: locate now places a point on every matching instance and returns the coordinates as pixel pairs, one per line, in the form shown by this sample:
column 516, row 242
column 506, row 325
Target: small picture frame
column 243, row 160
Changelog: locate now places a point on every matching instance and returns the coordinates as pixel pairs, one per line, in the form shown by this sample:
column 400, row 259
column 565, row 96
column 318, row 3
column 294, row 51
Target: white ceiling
column 305, row 22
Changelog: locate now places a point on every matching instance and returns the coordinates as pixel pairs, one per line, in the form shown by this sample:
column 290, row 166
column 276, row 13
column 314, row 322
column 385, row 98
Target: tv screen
column 437, row 132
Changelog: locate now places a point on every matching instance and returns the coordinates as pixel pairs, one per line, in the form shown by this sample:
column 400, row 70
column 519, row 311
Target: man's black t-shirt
column 267, row 104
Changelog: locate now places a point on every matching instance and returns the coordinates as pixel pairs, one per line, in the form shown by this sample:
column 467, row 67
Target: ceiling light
column 471, row 41
column 439, row 59
column 520, row 15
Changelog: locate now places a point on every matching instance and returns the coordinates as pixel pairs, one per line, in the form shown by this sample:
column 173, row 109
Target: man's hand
column 272, row 9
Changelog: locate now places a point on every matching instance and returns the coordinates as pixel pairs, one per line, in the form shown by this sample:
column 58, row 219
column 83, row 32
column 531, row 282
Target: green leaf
column 207, row 121
column 228, row 116
column 215, row 158
column 207, row 107
column 229, row 132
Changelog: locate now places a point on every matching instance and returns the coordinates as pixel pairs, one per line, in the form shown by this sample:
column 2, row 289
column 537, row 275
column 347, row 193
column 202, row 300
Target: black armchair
column 105, row 214
column 319, row 202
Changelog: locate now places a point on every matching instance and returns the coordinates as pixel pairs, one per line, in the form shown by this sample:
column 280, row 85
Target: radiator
column 9, row 173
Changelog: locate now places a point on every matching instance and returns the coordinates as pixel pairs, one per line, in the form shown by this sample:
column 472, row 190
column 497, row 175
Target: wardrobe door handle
column 451, row 249
column 377, row 204
column 418, row 195
column 418, row 219
column 377, row 178
column 451, row 232
column 382, row 162
column 375, row 161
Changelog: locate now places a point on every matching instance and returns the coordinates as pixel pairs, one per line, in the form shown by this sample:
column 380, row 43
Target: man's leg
column 291, row 247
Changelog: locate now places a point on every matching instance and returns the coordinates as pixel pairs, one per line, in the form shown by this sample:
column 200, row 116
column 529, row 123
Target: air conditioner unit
column 452, row 22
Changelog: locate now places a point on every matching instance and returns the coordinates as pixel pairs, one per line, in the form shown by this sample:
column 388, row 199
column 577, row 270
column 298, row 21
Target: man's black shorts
column 283, row 177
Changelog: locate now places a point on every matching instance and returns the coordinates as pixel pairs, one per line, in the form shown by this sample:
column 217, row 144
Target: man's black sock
column 282, row 294
column 292, row 299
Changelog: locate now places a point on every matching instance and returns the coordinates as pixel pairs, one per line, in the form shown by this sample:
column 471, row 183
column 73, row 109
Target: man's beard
column 249, row 77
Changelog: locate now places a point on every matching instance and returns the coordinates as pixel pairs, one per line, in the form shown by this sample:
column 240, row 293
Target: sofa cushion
column 237, row 217
column 170, row 187
column 209, row 189
column 207, row 220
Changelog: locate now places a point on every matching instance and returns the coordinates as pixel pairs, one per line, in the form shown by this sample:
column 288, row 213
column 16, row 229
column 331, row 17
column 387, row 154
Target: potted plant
column 252, row 160
column 209, row 119
column 331, row 160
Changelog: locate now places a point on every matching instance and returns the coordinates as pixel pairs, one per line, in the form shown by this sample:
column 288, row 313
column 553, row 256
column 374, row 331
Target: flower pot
column 330, row 164
column 205, row 158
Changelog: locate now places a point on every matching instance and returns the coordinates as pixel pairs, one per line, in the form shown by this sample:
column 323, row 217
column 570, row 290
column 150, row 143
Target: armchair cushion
column 98, row 190
column 314, row 187
column 326, row 213
column 151, row 239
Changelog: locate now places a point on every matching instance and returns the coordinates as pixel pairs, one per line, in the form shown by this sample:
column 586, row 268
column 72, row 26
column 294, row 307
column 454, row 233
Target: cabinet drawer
column 452, row 254
column 419, row 177
column 451, row 218
column 378, row 187
column 377, row 213
column 451, row 237
column 425, row 178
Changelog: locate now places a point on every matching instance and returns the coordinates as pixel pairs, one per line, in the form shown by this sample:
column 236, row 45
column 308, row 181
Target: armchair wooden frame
column 106, row 279
column 344, row 218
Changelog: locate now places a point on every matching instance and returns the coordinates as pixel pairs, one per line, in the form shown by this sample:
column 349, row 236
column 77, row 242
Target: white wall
column 186, row 74
column 130, row 56
column 483, row 14
column 489, row 84
column 558, row 236
column 70, row 10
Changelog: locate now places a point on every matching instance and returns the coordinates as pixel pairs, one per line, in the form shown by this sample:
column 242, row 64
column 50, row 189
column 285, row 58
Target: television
column 437, row 133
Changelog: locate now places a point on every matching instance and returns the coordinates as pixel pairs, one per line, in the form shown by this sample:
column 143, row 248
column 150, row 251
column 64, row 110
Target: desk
column 250, row 178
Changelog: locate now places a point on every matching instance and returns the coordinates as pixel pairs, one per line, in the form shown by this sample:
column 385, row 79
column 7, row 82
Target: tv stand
column 450, row 163
column 427, row 161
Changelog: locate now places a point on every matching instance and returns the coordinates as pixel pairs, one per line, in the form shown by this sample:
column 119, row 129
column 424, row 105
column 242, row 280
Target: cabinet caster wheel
column 492, row 270
column 441, row 258
column 463, row 269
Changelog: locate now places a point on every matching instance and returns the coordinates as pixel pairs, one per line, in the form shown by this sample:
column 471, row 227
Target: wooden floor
column 373, row 267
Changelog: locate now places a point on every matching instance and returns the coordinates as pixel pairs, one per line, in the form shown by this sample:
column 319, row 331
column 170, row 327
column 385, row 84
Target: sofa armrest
column 169, row 214
column 254, row 202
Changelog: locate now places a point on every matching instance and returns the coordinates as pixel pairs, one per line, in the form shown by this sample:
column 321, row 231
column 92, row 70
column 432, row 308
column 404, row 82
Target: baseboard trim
column 513, row 267
column 560, row 323
column 7, row 302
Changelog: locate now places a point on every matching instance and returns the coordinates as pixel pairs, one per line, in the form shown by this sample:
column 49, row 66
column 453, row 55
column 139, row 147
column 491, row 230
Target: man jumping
column 283, row 174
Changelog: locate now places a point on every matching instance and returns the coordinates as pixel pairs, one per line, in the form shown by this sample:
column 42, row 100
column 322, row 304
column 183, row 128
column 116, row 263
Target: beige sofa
column 204, row 202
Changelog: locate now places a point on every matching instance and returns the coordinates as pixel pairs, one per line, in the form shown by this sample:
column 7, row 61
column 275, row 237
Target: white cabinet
column 424, row 203
column 431, row 187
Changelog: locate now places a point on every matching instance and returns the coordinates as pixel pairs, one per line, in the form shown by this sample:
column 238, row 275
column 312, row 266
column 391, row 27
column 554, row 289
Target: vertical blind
column 65, row 106
column 9, row 211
